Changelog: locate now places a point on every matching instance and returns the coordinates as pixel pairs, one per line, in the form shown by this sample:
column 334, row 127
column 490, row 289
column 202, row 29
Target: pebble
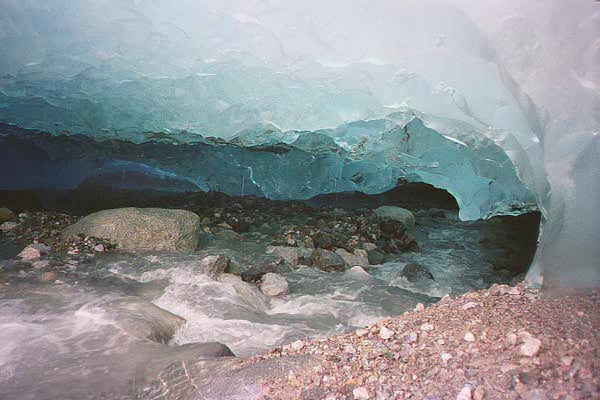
column 385, row 333
column 99, row 248
column 530, row 347
column 446, row 357
column 465, row 393
column 41, row 264
column 8, row 226
column 427, row 327
column 361, row 332
column 510, row 340
column 298, row 345
column 566, row 361
column 469, row 337
column 479, row 393
column 33, row 251
column 419, row 307
column 273, row 285
column 361, row 393
column 469, row 305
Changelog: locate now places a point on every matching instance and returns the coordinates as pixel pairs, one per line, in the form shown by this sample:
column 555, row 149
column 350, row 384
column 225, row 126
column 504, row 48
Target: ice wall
column 522, row 75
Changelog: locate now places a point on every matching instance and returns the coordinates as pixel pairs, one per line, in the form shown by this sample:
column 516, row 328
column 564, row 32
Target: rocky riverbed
column 264, row 275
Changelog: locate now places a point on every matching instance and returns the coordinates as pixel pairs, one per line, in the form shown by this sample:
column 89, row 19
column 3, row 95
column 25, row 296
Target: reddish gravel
column 501, row 343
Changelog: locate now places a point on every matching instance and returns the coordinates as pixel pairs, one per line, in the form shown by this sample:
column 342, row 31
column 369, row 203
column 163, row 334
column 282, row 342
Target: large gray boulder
column 399, row 214
column 141, row 228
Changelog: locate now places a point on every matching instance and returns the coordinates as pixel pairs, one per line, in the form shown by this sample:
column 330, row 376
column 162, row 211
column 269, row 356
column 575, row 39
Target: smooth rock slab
column 148, row 229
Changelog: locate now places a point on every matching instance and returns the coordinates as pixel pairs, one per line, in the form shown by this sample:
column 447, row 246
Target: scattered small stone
column 297, row 345
column 360, row 393
column 385, row 333
column 465, row 393
column 41, row 264
column 469, row 337
column 446, row 357
column 566, row 361
column 469, row 305
column 427, row 327
column 479, row 393
column 361, row 332
column 511, row 339
column 531, row 346
column 34, row 251
column 8, row 226
column 514, row 291
column 99, row 248
column 419, row 307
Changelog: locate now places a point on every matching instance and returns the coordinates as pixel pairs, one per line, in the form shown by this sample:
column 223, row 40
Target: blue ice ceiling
column 497, row 103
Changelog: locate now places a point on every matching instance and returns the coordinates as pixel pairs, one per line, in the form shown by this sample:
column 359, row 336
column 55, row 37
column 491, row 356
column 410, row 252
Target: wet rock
column 6, row 214
column 141, row 228
column 273, row 285
column 214, row 265
column 415, row 272
column 255, row 273
column 352, row 259
column 99, row 248
column 34, row 251
column 327, row 260
column 8, row 226
column 376, row 257
column 48, row 276
column 322, row 240
column 392, row 229
column 358, row 272
column 369, row 246
column 289, row 254
column 398, row 214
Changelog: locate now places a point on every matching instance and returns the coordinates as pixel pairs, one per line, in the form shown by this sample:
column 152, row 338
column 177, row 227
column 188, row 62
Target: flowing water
column 89, row 338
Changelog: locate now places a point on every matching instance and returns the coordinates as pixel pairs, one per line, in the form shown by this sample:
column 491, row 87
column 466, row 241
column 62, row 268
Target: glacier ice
column 497, row 102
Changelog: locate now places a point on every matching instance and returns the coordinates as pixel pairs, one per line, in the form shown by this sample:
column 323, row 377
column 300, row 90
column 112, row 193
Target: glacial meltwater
column 100, row 327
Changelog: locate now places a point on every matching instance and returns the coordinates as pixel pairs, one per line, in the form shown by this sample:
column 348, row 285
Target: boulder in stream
column 327, row 260
column 141, row 228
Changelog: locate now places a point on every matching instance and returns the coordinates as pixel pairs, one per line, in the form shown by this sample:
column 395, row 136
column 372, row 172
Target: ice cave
column 289, row 128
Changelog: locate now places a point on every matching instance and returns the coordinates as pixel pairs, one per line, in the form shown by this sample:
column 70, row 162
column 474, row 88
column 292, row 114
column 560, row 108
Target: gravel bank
column 501, row 343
